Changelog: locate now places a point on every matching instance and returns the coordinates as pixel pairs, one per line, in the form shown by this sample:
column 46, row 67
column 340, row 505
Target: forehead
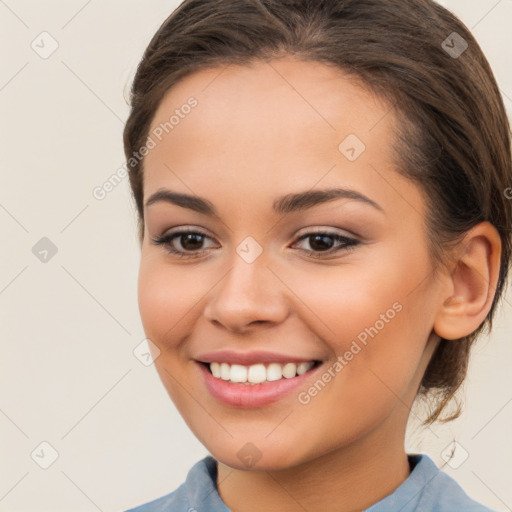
column 274, row 95
column 271, row 126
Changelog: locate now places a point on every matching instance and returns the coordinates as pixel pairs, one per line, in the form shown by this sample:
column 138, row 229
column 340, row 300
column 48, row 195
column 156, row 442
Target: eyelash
column 166, row 241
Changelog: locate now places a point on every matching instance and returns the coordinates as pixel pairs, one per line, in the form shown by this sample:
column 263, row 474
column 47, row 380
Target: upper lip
column 249, row 358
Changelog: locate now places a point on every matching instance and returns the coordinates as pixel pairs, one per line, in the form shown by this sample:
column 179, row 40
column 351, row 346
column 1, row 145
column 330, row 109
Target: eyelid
column 345, row 244
column 165, row 241
column 332, row 230
column 328, row 230
column 348, row 243
column 188, row 228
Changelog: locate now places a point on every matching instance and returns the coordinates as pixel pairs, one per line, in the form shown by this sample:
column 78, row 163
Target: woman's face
column 264, row 279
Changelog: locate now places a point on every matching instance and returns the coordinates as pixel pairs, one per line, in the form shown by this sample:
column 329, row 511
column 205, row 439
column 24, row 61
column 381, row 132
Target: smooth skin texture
column 260, row 132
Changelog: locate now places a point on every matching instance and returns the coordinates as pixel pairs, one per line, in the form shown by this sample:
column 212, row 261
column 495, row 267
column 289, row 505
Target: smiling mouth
column 258, row 373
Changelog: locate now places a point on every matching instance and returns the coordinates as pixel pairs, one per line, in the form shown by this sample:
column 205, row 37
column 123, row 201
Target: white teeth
column 215, row 368
column 258, row 373
column 238, row 373
column 274, row 372
column 304, row 367
column 289, row 370
column 224, row 371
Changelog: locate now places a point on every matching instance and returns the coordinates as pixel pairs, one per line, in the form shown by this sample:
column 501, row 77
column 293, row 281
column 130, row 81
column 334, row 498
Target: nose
column 249, row 294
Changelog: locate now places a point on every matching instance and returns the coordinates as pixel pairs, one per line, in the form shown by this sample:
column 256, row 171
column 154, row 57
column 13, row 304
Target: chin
column 250, row 456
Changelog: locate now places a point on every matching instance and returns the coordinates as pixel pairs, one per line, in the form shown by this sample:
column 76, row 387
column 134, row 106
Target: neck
column 353, row 478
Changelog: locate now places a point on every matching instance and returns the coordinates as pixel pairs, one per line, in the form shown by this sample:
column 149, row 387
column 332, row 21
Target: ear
column 471, row 284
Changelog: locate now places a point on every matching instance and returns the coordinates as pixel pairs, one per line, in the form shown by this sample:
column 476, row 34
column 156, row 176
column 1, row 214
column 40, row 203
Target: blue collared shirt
column 427, row 489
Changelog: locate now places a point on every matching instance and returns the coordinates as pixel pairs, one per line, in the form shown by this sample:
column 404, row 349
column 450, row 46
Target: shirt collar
column 203, row 495
column 407, row 496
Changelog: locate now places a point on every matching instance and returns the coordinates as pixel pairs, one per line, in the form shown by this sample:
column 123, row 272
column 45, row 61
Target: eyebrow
column 285, row 204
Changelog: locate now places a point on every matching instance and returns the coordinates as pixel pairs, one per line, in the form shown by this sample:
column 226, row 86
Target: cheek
column 166, row 300
column 342, row 303
column 376, row 318
column 166, row 304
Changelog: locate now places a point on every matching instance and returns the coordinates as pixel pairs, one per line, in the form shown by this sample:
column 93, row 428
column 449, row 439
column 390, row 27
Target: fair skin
column 258, row 133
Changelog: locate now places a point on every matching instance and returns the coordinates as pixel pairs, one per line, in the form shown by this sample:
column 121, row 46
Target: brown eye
column 322, row 243
column 191, row 241
column 184, row 243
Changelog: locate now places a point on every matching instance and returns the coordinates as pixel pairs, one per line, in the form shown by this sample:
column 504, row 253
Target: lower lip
column 253, row 395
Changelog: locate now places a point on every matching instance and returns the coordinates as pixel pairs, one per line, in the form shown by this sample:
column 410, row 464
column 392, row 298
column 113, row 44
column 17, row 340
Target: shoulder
column 428, row 489
column 199, row 489
column 441, row 493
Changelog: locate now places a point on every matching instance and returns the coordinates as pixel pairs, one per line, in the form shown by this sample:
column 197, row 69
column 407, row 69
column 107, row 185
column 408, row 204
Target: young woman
column 325, row 230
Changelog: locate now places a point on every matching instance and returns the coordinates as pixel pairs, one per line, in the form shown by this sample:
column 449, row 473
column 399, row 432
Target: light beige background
column 69, row 326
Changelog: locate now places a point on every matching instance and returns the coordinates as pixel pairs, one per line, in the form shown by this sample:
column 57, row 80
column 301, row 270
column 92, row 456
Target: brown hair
column 453, row 140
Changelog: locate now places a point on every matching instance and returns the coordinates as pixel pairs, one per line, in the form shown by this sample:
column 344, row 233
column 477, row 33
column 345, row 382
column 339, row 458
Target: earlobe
column 472, row 283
